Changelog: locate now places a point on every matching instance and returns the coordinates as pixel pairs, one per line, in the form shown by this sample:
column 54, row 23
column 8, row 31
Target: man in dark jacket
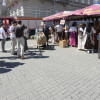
column 19, row 31
column 46, row 32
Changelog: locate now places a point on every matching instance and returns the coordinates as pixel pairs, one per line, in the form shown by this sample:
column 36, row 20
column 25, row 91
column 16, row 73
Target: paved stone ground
column 53, row 74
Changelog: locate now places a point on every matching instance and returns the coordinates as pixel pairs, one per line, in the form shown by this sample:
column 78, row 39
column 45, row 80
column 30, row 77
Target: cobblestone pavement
column 53, row 74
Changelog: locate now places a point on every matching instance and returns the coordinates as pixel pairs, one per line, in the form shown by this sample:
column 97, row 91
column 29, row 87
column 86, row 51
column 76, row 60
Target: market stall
column 92, row 12
column 88, row 12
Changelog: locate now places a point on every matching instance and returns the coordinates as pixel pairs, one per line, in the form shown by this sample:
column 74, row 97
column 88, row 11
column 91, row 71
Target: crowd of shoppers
column 18, row 36
column 82, row 36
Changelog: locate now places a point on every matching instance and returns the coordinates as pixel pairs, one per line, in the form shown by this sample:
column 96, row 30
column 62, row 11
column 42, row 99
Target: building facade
column 97, row 1
column 3, row 10
column 43, row 8
column 0, row 6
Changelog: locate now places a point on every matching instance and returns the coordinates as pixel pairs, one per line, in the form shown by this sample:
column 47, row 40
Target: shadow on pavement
column 33, row 53
column 50, row 47
column 7, row 66
column 37, row 55
column 10, row 58
column 4, row 70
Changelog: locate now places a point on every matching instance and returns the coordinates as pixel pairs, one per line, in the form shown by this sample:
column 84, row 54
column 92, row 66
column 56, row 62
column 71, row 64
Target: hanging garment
column 81, row 39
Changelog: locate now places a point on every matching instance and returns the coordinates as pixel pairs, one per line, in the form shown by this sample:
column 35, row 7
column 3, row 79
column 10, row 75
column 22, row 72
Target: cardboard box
column 62, row 43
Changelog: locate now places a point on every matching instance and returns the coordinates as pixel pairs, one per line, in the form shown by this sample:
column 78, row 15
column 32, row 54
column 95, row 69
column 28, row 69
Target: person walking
column 19, row 31
column 13, row 37
column 3, row 37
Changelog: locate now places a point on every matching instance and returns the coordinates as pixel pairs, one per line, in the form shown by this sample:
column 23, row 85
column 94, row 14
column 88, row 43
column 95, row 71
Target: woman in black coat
column 46, row 32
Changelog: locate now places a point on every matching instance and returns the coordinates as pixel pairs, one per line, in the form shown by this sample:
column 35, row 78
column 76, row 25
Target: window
column 95, row 1
column 88, row 2
column 83, row 1
column 48, row 13
column 76, row 0
column 17, row 12
column 57, row 11
column 11, row 14
column 14, row 13
column 10, row 0
column 22, row 11
column 36, row 12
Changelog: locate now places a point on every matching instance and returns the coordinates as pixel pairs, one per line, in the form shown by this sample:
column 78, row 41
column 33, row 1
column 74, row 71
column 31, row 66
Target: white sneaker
column 88, row 52
column 92, row 51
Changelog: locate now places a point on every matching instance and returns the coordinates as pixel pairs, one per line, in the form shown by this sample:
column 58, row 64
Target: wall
column 0, row 6
column 17, row 9
column 35, row 8
column 3, row 10
column 43, row 8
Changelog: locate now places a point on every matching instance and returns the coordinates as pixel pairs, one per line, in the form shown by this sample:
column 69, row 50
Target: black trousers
column 25, row 46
